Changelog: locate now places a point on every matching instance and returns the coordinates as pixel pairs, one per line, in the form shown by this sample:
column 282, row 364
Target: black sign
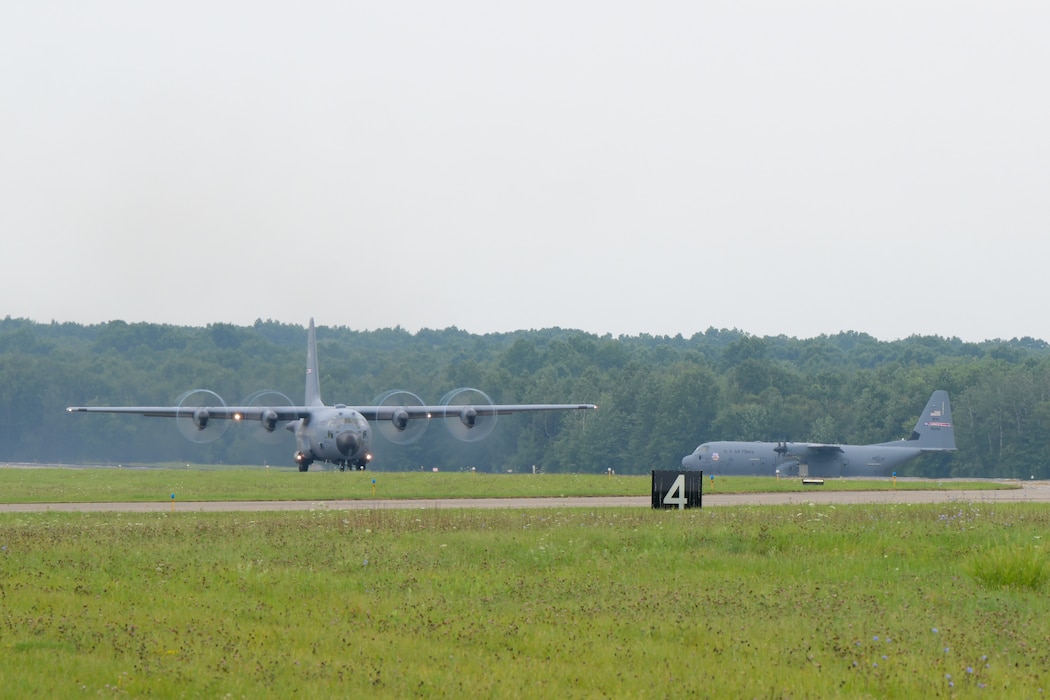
column 677, row 489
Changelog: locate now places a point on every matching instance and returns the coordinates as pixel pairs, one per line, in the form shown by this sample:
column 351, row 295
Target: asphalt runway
column 1030, row 492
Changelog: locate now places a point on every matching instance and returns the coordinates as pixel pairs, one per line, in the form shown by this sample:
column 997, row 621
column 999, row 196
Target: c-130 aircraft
column 339, row 434
column 933, row 433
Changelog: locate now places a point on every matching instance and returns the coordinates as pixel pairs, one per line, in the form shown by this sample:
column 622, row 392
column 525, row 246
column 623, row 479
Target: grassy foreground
column 942, row 600
column 55, row 485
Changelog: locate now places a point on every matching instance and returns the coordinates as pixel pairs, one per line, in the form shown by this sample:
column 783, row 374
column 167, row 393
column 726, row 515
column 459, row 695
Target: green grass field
column 790, row 601
column 55, row 485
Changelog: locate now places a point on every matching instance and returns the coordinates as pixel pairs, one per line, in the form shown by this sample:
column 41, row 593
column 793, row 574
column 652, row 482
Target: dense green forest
column 659, row 396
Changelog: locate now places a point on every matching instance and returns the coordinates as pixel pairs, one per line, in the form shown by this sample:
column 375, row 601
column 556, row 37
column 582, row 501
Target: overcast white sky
column 619, row 167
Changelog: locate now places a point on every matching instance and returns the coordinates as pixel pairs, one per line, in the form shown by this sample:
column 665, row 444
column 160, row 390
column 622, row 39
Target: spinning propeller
column 194, row 419
column 463, row 419
column 399, row 428
column 265, row 429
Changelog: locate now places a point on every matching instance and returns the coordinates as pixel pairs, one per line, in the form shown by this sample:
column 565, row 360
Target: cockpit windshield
column 340, row 420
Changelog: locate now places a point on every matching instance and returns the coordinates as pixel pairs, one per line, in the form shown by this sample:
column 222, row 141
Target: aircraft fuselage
column 933, row 432
column 732, row 458
column 336, row 434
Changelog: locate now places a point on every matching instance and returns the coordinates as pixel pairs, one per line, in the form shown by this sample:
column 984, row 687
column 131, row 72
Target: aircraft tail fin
column 313, row 383
column 934, row 429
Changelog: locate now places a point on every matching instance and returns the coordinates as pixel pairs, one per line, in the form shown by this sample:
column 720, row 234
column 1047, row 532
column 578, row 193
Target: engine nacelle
column 400, row 419
column 469, row 416
column 200, row 418
column 268, row 420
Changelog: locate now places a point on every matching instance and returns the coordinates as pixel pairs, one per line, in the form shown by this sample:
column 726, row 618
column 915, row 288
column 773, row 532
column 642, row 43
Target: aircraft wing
column 284, row 413
column 821, row 448
column 387, row 412
column 221, row 412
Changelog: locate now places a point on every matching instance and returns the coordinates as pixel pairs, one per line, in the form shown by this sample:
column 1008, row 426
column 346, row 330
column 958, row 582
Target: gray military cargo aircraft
column 933, row 433
column 339, row 434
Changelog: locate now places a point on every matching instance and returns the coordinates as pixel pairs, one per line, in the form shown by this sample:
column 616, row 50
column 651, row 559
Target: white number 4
column 675, row 495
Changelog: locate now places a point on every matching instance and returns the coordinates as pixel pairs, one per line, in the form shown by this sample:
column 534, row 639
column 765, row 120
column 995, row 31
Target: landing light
column 238, row 416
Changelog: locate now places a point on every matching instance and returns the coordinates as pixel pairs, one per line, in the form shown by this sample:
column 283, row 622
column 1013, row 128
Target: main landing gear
column 344, row 466
column 304, row 463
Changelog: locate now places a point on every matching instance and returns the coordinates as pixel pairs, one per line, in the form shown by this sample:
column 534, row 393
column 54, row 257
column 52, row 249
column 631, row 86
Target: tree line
column 658, row 396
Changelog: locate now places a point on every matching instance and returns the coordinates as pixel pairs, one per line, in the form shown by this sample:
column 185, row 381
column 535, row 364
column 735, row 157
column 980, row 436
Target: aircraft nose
column 691, row 462
column 347, row 442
